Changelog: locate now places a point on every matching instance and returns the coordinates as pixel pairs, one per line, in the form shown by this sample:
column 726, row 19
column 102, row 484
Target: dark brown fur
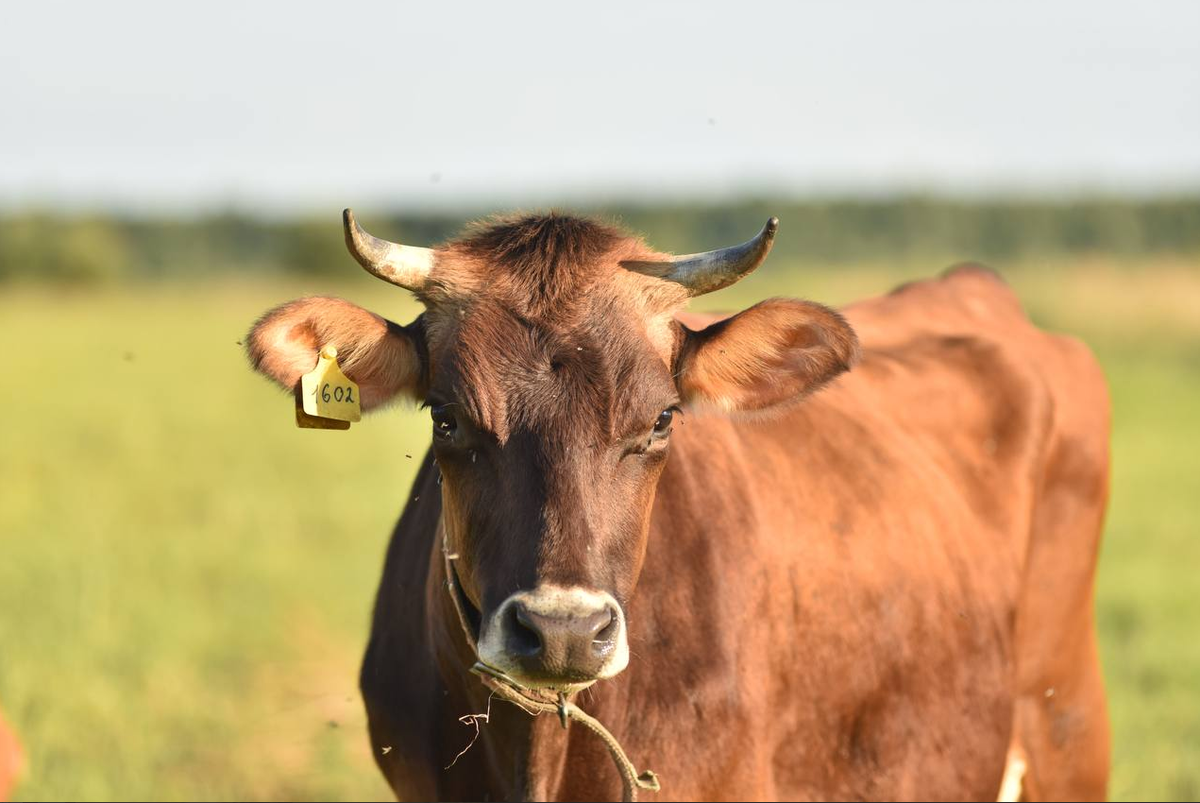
column 866, row 594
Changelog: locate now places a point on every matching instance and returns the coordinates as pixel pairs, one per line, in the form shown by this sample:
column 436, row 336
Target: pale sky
column 286, row 106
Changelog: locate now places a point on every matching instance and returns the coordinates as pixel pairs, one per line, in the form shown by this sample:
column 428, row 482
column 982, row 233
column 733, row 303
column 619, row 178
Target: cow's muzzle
column 555, row 637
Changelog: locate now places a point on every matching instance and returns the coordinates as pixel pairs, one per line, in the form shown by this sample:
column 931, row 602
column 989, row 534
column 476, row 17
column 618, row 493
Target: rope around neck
column 531, row 703
column 526, row 699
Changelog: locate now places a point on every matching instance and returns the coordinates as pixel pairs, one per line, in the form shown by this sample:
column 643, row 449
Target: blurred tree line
column 43, row 246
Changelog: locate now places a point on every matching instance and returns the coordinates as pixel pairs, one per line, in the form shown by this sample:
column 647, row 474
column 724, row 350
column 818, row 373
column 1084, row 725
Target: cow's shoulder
column 972, row 302
column 954, row 364
column 967, row 299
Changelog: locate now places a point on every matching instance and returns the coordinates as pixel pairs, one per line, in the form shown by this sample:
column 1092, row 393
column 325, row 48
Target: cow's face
column 554, row 374
column 550, row 440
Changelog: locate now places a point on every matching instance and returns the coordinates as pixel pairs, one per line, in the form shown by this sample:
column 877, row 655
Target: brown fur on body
column 867, row 594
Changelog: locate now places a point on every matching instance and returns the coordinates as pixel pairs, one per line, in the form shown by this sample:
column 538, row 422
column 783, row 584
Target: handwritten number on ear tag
column 328, row 399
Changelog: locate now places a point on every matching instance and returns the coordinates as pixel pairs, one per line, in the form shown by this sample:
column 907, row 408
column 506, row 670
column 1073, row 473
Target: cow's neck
column 524, row 756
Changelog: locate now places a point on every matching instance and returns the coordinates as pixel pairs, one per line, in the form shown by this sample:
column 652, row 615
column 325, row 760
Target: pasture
column 186, row 577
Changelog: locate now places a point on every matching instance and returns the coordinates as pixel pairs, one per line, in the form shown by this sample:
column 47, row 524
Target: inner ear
column 384, row 359
column 774, row 353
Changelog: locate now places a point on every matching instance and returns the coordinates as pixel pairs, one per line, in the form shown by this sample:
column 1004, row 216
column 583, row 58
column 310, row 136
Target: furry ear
column 773, row 353
column 383, row 358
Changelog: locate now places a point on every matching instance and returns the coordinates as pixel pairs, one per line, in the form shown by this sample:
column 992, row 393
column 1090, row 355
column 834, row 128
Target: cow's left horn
column 405, row 266
column 712, row 270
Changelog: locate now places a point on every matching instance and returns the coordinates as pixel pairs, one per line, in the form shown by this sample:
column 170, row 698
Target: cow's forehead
column 602, row 369
column 534, row 320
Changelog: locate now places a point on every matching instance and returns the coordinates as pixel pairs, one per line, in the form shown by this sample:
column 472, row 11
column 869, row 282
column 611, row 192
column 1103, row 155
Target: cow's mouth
column 471, row 615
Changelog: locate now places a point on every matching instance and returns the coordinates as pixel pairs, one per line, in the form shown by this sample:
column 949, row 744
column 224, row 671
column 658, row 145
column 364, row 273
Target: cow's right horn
column 712, row 270
column 405, row 266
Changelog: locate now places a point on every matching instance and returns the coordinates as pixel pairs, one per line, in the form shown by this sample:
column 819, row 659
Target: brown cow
column 869, row 592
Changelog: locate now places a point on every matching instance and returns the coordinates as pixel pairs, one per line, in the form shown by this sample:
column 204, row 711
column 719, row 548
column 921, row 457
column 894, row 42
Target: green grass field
column 186, row 578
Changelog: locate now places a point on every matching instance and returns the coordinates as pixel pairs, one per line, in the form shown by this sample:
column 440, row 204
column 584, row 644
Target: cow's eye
column 663, row 425
column 444, row 422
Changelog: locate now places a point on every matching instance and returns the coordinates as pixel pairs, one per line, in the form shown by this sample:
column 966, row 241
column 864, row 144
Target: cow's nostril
column 605, row 639
column 523, row 636
column 607, row 630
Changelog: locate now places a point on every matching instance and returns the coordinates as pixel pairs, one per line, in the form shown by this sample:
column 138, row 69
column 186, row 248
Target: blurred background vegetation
column 44, row 246
column 186, row 577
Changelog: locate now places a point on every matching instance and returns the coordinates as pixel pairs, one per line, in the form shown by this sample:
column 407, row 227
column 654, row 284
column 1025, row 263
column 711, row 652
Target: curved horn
column 712, row 270
column 402, row 265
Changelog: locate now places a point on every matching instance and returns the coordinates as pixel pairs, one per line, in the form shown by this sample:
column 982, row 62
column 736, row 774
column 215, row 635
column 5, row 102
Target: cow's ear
column 771, row 354
column 382, row 357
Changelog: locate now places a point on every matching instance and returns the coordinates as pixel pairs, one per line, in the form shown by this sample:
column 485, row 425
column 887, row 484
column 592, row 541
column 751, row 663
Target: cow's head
column 553, row 367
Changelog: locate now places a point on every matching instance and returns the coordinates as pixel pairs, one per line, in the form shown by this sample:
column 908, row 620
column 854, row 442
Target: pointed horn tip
column 357, row 240
column 771, row 227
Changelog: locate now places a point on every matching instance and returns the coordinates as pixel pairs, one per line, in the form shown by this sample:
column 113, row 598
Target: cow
column 792, row 553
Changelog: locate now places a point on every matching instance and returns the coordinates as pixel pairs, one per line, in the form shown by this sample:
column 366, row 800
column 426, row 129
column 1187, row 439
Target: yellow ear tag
column 328, row 399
